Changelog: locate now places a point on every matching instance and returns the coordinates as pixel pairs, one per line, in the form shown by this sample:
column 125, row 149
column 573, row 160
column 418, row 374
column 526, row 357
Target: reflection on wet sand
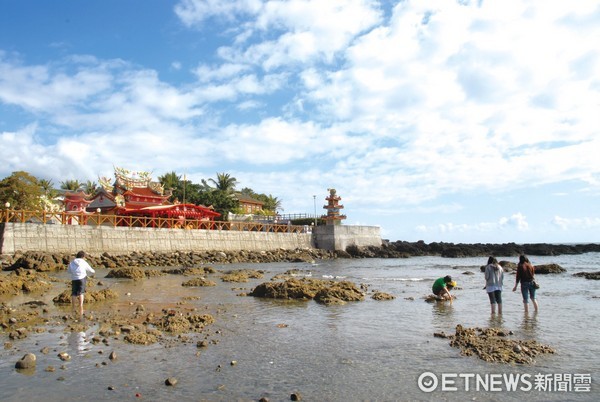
column 78, row 342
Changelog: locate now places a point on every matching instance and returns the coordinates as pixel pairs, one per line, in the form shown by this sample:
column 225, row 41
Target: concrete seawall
column 121, row 240
column 339, row 237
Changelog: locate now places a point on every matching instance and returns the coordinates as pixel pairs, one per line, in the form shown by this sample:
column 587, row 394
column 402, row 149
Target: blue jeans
column 527, row 290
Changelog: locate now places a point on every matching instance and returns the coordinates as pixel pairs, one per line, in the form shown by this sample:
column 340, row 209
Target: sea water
column 362, row 351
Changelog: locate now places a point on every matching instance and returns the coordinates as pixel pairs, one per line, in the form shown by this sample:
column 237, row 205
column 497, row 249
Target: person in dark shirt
column 526, row 275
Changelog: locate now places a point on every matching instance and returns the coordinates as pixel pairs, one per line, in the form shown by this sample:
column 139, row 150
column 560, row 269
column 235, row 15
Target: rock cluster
column 44, row 262
column 541, row 269
column 90, row 297
column 589, row 275
column 199, row 282
column 322, row 291
column 241, row 275
column 26, row 281
column 403, row 249
column 494, row 345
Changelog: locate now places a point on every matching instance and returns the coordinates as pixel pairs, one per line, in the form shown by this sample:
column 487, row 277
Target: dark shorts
column 436, row 291
column 78, row 287
column 495, row 297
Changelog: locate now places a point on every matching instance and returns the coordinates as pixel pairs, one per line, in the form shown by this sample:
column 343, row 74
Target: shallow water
column 364, row 351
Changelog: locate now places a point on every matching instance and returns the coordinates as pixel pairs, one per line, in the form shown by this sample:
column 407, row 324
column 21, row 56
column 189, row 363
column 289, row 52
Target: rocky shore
column 50, row 262
column 403, row 249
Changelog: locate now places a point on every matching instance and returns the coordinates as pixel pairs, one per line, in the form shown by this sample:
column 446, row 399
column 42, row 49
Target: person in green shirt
column 441, row 287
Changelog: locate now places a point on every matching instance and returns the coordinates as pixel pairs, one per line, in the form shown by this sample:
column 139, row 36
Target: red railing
column 81, row 218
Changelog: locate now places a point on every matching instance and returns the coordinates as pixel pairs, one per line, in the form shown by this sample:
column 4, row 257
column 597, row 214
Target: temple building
column 134, row 194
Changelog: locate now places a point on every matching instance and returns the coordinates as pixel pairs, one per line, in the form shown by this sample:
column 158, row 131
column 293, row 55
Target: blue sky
column 456, row 121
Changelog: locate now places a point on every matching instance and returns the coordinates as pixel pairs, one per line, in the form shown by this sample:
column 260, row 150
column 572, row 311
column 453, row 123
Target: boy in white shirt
column 79, row 268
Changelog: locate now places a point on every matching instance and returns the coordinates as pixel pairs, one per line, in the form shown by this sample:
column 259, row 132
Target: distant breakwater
column 404, row 249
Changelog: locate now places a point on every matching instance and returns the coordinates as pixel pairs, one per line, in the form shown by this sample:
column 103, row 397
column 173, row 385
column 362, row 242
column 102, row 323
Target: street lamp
column 315, row 202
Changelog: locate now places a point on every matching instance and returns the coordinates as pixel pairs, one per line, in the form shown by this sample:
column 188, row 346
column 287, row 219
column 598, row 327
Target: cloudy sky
column 457, row 121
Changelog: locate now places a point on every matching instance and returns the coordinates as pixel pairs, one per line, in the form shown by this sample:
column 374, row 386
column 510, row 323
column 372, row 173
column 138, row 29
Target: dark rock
column 339, row 293
column 171, row 381
column 296, row 396
column 293, row 288
column 589, row 275
column 199, row 282
column 382, row 296
column 549, row 269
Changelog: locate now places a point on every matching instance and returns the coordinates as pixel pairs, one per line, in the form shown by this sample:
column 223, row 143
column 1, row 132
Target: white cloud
column 393, row 107
column 516, row 222
column 586, row 223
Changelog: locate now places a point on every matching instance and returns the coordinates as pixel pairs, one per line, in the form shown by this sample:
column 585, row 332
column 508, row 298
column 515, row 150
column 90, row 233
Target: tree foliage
column 22, row 190
column 90, row 187
column 48, row 189
column 224, row 182
column 71, row 185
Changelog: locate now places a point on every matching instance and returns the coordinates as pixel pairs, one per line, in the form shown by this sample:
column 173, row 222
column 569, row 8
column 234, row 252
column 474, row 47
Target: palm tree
column 47, row 188
column 71, row 185
column 225, row 182
column 90, row 187
column 170, row 180
column 272, row 203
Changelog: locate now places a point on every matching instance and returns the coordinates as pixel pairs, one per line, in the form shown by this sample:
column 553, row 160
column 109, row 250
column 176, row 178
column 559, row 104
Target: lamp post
column 7, row 205
column 315, row 202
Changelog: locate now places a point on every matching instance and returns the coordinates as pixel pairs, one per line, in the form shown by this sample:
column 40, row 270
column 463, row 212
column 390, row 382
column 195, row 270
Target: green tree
column 22, row 190
column 172, row 181
column 48, row 189
column 71, row 185
column 225, row 182
column 90, row 187
column 249, row 192
column 220, row 194
column 221, row 201
column 271, row 203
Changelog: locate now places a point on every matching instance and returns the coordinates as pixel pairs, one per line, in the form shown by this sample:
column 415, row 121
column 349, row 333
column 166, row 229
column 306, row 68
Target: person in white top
column 494, row 277
column 79, row 268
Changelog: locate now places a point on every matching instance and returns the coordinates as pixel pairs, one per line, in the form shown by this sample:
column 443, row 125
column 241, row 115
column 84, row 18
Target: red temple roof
column 178, row 210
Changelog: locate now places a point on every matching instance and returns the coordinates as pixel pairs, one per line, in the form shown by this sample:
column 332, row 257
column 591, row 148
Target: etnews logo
column 448, row 382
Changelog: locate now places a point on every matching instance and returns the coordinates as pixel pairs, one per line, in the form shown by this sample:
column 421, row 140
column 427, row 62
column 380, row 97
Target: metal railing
column 97, row 219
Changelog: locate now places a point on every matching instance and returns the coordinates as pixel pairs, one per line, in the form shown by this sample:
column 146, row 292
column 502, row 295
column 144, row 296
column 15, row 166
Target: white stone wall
column 339, row 237
column 99, row 239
